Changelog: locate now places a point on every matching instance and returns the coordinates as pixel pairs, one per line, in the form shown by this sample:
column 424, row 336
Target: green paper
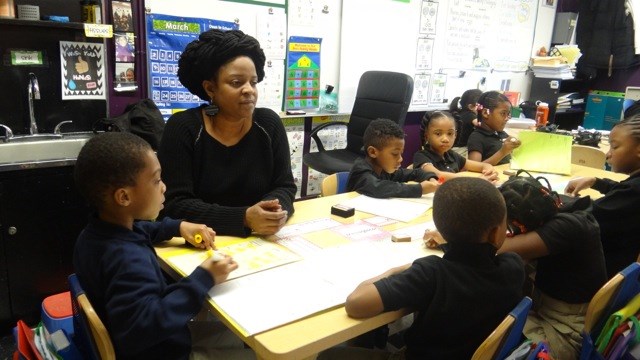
column 543, row 152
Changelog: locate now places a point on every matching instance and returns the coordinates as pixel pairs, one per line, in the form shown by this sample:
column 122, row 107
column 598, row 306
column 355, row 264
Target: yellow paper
column 543, row 152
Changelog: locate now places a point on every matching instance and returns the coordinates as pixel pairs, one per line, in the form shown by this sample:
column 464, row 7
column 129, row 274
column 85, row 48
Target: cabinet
column 548, row 90
column 41, row 215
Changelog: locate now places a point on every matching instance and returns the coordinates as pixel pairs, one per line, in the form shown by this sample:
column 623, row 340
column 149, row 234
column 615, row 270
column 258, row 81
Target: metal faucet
column 57, row 130
column 8, row 134
column 34, row 93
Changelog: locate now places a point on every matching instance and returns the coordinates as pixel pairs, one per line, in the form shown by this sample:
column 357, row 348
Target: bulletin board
column 265, row 21
column 447, row 46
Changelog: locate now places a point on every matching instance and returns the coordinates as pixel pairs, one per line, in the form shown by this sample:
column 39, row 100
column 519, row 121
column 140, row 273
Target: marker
column 197, row 238
column 214, row 255
column 441, row 180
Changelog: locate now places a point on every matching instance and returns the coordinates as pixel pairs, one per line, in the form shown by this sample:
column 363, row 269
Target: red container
column 542, row 113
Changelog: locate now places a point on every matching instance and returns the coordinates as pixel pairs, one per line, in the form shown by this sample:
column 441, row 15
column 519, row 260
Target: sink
column 78, row 135
column 40, row 148
column 32, row 138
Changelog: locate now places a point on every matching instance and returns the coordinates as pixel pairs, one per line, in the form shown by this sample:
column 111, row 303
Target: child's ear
column 372, row 152
column 121, row 197
column 497, row 234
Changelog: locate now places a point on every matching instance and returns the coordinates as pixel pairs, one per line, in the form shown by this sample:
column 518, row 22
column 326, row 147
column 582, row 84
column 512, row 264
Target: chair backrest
column 90, row 335
column 588, row 156
column 507, row 336
column 612, row 296
column 380, row 94
column 335, row 183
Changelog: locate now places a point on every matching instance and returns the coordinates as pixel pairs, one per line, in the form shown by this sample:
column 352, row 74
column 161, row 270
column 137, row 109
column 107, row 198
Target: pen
column 197, row 238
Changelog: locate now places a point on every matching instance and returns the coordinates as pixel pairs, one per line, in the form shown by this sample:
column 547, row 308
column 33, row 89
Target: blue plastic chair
column 507, row 336
column 334, row 184
column 90, row 335
column 613, row 296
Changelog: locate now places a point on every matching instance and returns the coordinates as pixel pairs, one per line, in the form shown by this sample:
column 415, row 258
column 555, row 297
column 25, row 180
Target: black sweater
column 208, row 182
column 618, row 212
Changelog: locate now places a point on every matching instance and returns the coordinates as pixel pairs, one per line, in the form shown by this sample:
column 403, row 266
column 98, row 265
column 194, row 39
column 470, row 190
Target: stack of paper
column 560, row 71
column 570, row 100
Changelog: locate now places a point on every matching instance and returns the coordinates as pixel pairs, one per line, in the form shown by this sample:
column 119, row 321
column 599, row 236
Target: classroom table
column 306, row 337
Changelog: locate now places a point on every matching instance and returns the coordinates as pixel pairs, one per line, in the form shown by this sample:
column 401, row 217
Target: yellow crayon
column 197, row 238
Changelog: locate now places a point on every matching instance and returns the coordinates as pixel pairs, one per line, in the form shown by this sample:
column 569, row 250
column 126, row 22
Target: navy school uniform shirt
column 487, row 142
column 364, row 180
column 118, row 270
column 618, row 213
column 459, row 298
column 450, row 162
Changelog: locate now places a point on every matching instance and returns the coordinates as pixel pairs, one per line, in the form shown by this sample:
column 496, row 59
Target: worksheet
column 252, row 256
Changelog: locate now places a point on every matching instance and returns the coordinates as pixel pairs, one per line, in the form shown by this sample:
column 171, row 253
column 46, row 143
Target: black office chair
column 381, row 94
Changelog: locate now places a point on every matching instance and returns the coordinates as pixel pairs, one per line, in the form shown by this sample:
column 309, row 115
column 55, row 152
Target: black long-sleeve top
column 618, row 214
column 208, row 182
column 364, row 180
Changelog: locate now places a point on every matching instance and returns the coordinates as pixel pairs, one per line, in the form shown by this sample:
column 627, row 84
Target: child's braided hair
column 529, row 202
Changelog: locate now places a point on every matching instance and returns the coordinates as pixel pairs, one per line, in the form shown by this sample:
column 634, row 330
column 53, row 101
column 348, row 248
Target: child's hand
column 220, row 269
column 198, row 235
column 432, row 239
column 576, row 185
column 491, row 177
column 429, row 186
column 510, row 143
column 489, row 173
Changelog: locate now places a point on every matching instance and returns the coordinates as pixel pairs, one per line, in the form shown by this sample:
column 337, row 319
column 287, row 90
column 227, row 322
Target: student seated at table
column 570, row 265
column 119, row 175
column 488, row 142
column 618, row 210
column 463, row 109
column 460, row 298
column 380, row 174
column 438, row 131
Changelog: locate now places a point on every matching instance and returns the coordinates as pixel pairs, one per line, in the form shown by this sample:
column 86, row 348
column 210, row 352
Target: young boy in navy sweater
column 380, row 174
column 114, row 259
column 460, row 298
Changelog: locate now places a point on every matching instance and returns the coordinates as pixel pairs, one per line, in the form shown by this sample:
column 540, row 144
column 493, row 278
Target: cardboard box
column 604, row 109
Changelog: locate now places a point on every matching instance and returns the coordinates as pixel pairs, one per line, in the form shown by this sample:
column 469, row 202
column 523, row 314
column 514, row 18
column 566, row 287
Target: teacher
column 226, row 164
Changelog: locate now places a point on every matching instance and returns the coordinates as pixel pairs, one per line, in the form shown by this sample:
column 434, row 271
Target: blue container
column 604, row 109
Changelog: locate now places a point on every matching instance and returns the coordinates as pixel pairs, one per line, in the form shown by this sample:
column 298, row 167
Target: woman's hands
column 266, row 217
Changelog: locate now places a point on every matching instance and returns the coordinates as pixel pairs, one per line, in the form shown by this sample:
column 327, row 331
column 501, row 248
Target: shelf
column 42, row 23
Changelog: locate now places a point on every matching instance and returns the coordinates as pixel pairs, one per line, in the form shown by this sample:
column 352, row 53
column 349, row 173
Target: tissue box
column 57, row 313
column 604, row 109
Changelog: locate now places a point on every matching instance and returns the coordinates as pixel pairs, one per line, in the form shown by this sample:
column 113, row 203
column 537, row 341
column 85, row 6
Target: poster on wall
column 82, row 70
column 428, row 17
column 438, row 88
column 167, row 36
column 420, row 89
column 303, row 73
